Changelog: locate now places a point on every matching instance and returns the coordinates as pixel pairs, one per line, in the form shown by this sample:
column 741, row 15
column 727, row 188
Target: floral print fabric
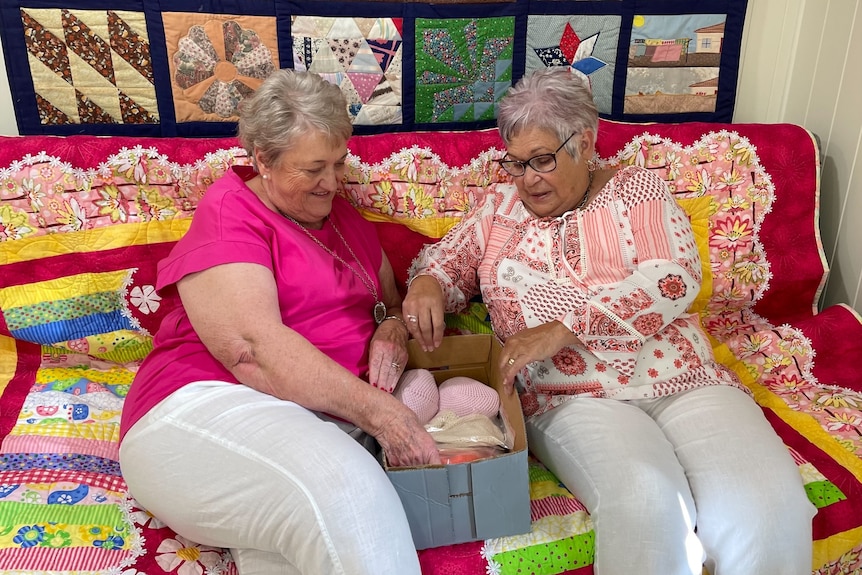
column 619, row 274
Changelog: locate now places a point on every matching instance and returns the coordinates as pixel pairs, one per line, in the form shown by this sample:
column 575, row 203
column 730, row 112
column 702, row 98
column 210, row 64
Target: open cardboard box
column 474, row 500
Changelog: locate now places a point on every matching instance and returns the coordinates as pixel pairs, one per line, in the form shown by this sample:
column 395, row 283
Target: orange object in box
column 450, row 455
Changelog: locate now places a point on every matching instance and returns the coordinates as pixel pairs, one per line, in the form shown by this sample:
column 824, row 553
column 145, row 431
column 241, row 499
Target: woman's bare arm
column 234, row 310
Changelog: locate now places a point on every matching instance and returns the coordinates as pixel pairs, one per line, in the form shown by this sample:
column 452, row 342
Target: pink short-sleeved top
column 318, row 296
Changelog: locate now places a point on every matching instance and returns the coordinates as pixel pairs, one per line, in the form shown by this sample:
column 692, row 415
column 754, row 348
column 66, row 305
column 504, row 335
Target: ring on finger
column 511, row 361
column 395, row 365
column 412, row 318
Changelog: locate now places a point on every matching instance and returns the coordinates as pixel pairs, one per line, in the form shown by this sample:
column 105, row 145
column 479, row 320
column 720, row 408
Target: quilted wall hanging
column 181, row 68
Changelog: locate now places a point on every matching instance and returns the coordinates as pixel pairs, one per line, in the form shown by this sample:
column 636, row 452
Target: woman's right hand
column 405, row 442
column 423, row 310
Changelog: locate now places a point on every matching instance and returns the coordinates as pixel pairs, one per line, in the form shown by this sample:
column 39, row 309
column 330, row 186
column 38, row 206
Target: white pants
column 676, row 483
column 284, row 490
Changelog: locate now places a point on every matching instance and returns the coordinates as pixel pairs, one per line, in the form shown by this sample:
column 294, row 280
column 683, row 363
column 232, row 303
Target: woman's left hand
column 529, row 345
column 387, row 355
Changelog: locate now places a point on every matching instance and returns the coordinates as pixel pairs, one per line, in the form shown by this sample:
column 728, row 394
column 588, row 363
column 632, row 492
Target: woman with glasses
column 587, row 274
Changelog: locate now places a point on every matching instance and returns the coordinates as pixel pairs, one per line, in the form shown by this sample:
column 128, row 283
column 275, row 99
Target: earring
column 265, row 176
column 592, row 164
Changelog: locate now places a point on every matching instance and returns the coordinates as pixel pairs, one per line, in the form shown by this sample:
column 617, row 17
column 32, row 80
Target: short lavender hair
column 553, row 99
column 285, row 108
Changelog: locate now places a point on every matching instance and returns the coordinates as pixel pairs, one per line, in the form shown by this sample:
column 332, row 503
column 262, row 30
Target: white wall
column 801, row 63
column 8, row 125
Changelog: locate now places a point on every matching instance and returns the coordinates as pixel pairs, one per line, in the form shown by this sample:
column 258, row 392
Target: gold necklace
column 379, row 311
column 583, row 201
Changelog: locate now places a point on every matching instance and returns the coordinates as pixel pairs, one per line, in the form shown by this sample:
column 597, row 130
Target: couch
column 84, row 220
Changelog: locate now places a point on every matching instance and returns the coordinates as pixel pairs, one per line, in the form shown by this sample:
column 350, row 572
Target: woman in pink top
column 587, row 274
column 254, row 422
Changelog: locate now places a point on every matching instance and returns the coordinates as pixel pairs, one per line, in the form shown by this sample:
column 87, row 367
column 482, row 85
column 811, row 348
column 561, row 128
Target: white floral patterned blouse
column 620, row 274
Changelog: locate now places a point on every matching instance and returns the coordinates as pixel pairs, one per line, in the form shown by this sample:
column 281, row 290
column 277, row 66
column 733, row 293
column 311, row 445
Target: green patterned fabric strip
column 823, row 493
column 551, row 558
column 14, row 513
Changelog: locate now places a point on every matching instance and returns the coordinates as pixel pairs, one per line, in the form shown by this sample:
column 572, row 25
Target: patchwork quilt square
column 587, row 44
column 89, row 66
column 362, row 56
column 217, row 60
column 674, row 63
column 463, row 67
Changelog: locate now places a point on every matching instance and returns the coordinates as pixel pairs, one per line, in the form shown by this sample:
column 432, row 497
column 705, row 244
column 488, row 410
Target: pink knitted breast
column 417, row 390
column 465, row 395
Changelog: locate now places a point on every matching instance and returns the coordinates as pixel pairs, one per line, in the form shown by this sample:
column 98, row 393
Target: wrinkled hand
column 423, row 309
column 529, row 345
column 405, row 442
column 387, row 355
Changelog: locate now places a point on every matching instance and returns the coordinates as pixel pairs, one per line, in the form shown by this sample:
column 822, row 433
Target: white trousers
column 681, row 482
column 284, row 490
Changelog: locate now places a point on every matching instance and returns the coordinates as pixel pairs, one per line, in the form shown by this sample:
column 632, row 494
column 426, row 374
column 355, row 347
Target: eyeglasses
column 542, row 163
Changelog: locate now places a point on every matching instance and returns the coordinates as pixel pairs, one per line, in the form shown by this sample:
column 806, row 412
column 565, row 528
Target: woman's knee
column 762, row 512
column 658, row 514
column 650, row 495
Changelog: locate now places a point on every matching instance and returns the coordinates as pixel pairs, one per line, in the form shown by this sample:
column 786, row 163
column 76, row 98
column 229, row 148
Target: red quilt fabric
column 84, row 220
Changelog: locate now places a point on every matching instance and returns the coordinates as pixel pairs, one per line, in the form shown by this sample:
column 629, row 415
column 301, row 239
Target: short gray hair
column 553, row 99
column 285, row 107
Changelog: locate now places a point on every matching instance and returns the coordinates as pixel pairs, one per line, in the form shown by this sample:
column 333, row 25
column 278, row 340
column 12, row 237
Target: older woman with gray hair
column 253, row 423
column 587, row 274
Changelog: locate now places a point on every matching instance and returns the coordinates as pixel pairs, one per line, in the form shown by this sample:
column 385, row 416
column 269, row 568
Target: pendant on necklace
column 379, row 312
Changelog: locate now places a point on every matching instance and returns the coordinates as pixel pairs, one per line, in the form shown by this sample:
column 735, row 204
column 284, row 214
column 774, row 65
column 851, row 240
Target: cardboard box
column 474, row 500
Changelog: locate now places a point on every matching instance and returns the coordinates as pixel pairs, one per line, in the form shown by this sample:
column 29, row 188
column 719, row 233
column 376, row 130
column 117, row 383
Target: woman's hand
column 424, row 312
column 532, row 344
column 387, row 355
column 405, row 442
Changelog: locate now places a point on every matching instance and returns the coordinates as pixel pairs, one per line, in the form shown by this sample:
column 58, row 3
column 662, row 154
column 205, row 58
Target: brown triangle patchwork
column 130, row 46
column 90, row 112
column 88, row 46
column 133, row 113
column 49, row 114
column 46, row 47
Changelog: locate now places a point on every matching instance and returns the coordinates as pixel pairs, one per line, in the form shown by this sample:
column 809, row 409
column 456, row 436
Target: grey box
column 475, row 500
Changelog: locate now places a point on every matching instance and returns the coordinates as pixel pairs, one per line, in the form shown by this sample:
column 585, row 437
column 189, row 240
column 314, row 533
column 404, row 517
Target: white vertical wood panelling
column 821, row 116
column 835, row 113
column 800, row 63
column 769, row 42
column 844, row 165
column 807, row 57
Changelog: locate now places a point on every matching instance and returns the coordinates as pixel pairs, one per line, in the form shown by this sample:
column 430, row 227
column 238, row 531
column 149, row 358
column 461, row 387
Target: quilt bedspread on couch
column 84, row 220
